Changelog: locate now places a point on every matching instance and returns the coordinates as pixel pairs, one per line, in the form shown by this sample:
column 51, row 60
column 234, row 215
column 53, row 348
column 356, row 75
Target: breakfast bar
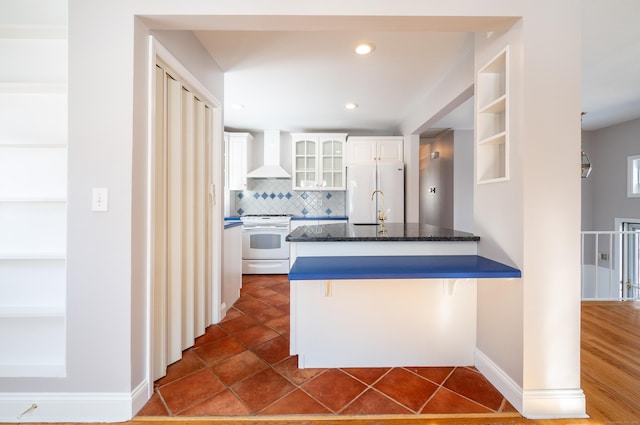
column 402, row 294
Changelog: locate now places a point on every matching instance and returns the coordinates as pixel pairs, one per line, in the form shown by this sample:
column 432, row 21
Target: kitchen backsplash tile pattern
column 274, row 196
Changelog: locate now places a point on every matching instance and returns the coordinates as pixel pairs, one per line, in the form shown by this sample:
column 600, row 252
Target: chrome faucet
column 382, row 215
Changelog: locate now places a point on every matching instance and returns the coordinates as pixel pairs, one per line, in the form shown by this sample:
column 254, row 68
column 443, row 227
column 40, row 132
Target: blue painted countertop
column 228, row 224
column 400, row 267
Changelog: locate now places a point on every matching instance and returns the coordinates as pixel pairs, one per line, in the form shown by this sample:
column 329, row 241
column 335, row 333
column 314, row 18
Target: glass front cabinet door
column 319, row 161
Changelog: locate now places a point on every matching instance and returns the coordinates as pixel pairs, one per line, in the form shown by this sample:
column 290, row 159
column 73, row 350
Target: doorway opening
column 184, row 264
column 630, row 259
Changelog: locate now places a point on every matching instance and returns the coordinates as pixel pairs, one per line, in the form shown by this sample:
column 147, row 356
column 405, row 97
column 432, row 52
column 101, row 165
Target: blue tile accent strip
column 400, row 267
column 275, row 196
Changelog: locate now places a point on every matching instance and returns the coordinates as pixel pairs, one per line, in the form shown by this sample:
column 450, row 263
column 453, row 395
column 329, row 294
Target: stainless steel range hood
column 271, row 168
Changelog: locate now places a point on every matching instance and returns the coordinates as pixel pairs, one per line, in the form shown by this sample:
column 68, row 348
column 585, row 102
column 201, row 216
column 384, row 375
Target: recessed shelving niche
column 492, row 120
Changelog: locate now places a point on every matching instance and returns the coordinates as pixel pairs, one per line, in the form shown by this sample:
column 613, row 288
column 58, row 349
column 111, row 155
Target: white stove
column 264, row 249
column 271, row 220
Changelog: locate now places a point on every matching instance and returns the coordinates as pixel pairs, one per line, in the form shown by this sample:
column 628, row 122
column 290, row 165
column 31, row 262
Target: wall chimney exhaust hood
column 271, row 168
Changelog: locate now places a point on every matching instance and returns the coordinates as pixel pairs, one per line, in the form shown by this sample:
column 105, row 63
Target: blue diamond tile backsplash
column 274, row 196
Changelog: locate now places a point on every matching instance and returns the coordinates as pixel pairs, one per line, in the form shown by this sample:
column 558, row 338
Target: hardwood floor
column 610, row 376
column 610, row 363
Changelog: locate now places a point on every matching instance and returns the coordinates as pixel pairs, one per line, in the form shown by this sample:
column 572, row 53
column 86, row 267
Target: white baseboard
column 533, row 404
column 72, row 407
column 140, row 395
column 555, row 404
column 503, row 382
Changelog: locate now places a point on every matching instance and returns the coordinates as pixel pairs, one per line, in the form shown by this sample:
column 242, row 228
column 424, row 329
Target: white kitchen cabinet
column 231, row 267
column 367, row 149
column 238, row 158
column 492, row 120
column 318, row 161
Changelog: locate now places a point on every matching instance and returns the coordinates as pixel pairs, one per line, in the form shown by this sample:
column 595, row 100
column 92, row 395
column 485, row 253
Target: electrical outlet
column 100, row 199
column 604, row 256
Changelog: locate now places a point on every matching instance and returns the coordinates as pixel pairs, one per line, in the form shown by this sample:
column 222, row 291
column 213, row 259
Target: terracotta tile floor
column 242, row 367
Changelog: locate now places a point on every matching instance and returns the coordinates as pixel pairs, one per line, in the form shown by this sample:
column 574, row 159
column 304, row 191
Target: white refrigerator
column 363, row 179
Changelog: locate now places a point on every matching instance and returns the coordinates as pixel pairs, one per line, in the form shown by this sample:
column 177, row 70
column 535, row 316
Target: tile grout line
column 371, row 387
column 248, row 298
column 440, row 385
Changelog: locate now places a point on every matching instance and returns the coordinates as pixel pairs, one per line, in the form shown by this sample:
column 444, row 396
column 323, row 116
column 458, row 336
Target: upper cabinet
column 318, row 161
column 492, row 120
column 237, row 159
column 367, row 149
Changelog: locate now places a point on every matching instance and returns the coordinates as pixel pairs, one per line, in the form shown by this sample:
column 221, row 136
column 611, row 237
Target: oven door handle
column 265, row 227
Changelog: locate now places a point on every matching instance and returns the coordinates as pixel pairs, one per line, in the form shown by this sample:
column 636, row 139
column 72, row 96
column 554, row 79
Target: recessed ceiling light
column 237, row 106
column 365, row 48
column 350, row 105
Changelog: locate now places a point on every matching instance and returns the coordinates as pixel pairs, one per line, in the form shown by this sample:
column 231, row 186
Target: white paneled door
column 182, row 175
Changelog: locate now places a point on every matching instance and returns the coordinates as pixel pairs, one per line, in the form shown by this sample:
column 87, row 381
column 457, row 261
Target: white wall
column 605, row 190
column 463, row 180
column 517, row 220
column 587, row 184
column 551, row 204
column 498, row 220
column 106, row 276
column 437, row 174
column 451, row 93
column 532, row 220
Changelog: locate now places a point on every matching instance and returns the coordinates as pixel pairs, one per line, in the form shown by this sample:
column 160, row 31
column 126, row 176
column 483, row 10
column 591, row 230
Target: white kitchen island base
column 404, row 295
column 383, row 323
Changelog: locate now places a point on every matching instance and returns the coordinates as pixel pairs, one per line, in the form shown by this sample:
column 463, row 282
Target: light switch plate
column 100, row 199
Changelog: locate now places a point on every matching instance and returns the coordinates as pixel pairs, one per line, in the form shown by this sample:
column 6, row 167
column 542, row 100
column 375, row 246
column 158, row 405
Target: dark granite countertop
column 345, row 232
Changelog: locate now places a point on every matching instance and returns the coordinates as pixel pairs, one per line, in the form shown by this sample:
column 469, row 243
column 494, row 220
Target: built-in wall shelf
column 492, row 120
column 32, row 256
column 32, row 145
column 495, row 107
column 33, row 200
column 42, row 311
column 33, row 88
column 45, row 32
column 494, row 139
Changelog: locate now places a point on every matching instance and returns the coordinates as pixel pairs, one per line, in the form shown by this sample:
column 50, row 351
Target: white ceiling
column 299, row 80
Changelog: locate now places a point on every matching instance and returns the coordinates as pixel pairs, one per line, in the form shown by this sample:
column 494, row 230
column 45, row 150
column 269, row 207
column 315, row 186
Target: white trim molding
column 499, row 378
column 633, row 176
column 554, row 404
column 533, row 404
column 72, row 407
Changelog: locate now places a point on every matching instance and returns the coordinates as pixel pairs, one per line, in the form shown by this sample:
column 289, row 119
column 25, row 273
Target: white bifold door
column 181, row 240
